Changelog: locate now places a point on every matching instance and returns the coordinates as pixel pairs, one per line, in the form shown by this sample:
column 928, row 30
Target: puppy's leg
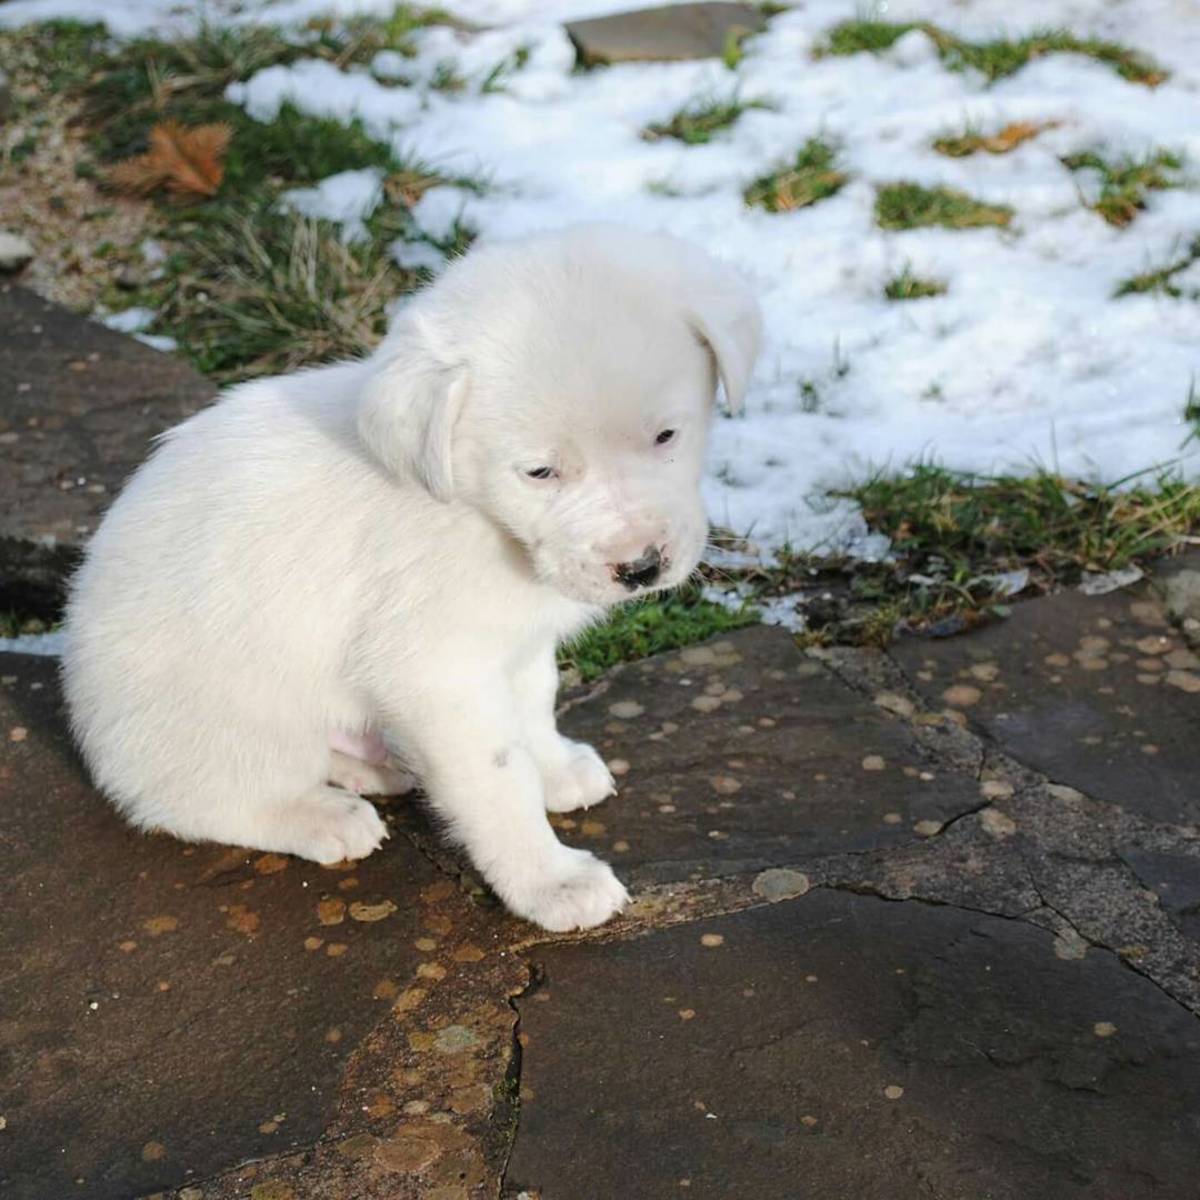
column 483, row 781
column 573, row 774
column 368, row 778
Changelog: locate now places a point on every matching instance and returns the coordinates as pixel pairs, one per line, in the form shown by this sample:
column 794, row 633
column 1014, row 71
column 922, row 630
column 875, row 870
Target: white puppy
column 392, row 548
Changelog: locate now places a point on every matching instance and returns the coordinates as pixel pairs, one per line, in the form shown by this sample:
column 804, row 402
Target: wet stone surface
column 1099, row 693
column 676, row 32
column 841, row 1045
column 741, row 754
column 171, row 1010
column 80, row 404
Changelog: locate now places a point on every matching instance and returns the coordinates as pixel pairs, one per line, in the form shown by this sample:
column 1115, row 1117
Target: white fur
column 357, row 550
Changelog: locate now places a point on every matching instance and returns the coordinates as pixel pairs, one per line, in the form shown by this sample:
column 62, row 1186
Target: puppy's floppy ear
column 725, row 315
column 409, row 407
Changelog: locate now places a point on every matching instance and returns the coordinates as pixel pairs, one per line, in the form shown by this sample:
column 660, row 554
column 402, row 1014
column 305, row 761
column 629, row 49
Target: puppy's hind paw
column 583, row 780
column 328, row 825
column 369, row 779
column 578, row 892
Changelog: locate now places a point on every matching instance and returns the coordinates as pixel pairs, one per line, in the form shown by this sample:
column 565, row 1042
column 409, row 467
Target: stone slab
column 841, row 1045
column 674, row 33
column 80, row 406
column 168, row 1010
column 741, row 754
column 1099, row 693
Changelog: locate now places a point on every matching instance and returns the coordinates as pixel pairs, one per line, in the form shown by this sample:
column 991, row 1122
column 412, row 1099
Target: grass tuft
column 1161, row 280
column 811, row 177
column 998, row 58
column 258, row 291
column 907, row 286
column 1124, row 183
column 956, row 523
column 909, row 205
column 651, row 627
column 696, row 124
column 1003, row 141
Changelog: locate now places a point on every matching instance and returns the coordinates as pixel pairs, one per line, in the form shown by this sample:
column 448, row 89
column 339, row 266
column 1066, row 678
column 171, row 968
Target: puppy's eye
column 542, row 473
column 667, row 435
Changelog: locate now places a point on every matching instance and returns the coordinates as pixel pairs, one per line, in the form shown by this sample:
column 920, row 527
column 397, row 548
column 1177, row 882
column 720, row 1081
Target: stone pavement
column 80, row 405
column 902, row 927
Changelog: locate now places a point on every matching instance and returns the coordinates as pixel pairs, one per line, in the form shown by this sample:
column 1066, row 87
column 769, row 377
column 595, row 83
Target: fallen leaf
column 187, row 161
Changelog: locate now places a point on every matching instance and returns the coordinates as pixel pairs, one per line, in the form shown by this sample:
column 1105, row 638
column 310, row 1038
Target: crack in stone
column 511, row 1101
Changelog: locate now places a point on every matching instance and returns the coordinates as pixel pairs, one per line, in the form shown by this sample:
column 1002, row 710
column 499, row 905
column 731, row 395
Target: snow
column 130, row 320
column 349, row 198
column 1027, row 360
column 48, row 644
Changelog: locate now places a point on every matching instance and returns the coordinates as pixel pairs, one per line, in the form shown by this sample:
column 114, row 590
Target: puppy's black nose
column 641, row 572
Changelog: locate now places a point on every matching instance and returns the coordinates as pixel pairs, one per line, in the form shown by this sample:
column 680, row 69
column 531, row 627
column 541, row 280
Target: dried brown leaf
column 187, row 161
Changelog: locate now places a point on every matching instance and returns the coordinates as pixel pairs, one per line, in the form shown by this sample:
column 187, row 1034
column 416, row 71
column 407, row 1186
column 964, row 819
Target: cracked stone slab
column 1098, row 693
column 842, row 1045
column 173, row 1011
column 80, row 406
column 670, row 34
column 740, row 754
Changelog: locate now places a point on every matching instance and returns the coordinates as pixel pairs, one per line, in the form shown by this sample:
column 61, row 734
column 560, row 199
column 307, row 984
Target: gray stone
column 1098, row 693
column 682, row 31
column 845, row 1046
column 1181, row 589
column 750, row 755
column 160, row 1003
column 15, row 250
column 80, row 407
column 1173, row 876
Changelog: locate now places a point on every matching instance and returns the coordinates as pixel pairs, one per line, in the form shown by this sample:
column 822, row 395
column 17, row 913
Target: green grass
column 14, row 624
column 1161, row 280
column 954, row 523
column 907, row 286
column 909, row 205
column 650, row 627
column 1125, row 182
column 497, row 78
column 953, row 532
column 997, row 58
column 253, row 291
column 811, row 177
column 696, row 124
column 1191, row 413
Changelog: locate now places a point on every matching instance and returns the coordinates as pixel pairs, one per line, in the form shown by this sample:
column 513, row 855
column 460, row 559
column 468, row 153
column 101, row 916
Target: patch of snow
column 158, row 341
column 1110, row 581
column 348, row 198
column 130, row 320
column 414, row 256
column 49, row 644
column 440, row 209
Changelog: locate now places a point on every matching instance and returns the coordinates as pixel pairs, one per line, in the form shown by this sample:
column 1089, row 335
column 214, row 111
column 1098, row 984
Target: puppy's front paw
column 582, row 780
column 329, row 825
column 576, row 892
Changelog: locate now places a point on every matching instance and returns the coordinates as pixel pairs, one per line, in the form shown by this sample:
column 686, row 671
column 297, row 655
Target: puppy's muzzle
column 642, row 572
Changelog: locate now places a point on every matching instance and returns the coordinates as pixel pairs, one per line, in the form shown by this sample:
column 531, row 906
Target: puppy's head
column 563, row 385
